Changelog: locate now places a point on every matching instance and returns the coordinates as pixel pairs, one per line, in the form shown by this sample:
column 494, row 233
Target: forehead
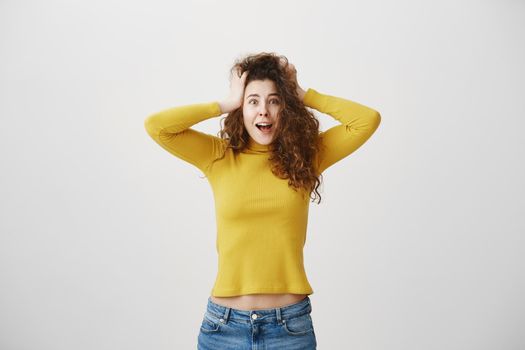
column 261, row 87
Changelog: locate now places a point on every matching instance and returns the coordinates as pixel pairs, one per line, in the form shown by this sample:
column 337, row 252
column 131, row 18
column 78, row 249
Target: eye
column 275, row 101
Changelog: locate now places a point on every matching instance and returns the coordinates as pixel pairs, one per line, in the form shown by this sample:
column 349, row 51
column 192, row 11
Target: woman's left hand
column 292, row 75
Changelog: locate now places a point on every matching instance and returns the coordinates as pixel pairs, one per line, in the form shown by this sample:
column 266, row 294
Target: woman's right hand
column 291, row 73
column 236, row 96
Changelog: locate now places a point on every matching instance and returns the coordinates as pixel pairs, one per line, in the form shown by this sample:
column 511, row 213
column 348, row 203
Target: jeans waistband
column 263, row 315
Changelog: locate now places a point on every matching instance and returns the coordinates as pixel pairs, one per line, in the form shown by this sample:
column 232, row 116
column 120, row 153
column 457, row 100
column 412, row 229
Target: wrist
column 301, row 93
column 227, row 106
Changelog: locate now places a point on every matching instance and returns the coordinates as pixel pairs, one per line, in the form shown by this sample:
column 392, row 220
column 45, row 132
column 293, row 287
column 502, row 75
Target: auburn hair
column 295, row 146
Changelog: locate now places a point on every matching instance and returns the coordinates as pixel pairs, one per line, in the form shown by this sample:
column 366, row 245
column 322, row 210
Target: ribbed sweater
column 261, row 222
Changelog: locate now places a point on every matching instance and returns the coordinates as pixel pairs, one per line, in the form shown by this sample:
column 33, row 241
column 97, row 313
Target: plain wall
column 108, row 241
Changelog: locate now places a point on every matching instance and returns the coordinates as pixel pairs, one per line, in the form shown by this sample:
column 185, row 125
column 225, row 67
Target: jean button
column 254, row 316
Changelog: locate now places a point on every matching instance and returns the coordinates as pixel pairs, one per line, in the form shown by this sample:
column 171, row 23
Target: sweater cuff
column 215, row 108
column 310, row 98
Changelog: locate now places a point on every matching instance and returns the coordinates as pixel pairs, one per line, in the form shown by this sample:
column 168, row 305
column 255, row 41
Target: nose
column 264, row 110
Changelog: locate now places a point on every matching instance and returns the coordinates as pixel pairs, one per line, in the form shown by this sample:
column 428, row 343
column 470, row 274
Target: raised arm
column 170, row 128
column 358, row 123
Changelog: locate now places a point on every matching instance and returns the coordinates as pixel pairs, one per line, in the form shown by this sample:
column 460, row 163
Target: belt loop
column 278, row 312
column 227, row 314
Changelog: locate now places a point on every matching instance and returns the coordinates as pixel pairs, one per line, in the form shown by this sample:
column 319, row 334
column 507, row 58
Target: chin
column 265, row 141
column 262, row 140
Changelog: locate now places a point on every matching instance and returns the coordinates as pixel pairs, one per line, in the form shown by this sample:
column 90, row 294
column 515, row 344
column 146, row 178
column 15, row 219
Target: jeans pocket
column 210, row 323
column 299, row 325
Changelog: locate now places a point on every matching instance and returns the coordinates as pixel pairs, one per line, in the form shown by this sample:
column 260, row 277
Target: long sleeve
column 170, row 128
column 358, row 123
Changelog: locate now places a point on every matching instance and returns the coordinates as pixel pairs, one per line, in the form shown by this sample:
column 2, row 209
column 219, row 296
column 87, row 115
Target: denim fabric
column 289, row 327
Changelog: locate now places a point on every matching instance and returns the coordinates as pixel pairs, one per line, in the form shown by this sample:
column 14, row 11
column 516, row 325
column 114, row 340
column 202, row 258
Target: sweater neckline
column 256, row 147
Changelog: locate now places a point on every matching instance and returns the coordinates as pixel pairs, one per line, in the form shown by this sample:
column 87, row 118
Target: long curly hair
column 296, row 139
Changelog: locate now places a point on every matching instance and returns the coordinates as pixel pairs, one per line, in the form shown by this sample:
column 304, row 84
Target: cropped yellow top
column 261, row 222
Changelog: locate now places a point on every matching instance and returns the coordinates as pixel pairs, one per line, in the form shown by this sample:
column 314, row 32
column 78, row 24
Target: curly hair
column 296, row 139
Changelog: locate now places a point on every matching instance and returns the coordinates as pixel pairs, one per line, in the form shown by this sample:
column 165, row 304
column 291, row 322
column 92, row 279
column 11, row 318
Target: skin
column 257, row 109
column 261, row 104
column 236, row 96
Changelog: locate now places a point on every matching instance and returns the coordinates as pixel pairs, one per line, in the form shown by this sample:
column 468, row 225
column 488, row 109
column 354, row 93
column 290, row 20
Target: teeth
column 263, row 124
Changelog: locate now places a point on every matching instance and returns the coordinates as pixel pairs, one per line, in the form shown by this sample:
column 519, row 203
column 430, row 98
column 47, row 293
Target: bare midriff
column 251, row 302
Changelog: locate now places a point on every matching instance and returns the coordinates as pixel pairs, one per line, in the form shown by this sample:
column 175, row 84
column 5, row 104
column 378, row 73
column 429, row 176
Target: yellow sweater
column 261, row 222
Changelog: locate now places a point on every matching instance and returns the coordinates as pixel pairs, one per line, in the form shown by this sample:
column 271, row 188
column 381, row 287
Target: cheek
column 248, row 125
column 248, row 118
column 245, row 118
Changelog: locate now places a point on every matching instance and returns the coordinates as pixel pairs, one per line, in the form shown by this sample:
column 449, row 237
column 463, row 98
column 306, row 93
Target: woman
column 263, row 169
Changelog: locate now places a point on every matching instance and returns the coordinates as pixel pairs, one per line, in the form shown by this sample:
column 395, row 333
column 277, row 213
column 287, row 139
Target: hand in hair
column 234, row 100
column 291, row 73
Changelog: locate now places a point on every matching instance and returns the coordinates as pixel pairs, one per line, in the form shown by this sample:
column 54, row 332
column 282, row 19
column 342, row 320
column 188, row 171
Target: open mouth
column 265, row 127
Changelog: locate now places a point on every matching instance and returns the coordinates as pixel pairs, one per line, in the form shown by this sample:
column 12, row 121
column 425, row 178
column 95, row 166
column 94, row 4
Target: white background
column 108, row 242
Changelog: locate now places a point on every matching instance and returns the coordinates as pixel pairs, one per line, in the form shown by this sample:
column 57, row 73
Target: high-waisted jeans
column 289, row 327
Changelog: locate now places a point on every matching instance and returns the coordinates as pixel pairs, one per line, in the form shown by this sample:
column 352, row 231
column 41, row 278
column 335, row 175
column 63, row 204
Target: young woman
column 263, row 167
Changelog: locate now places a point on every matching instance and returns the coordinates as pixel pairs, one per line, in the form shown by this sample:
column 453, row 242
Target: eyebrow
column 256, row 95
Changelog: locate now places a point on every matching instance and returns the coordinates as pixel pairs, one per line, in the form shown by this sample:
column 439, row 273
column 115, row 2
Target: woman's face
column 261, row 104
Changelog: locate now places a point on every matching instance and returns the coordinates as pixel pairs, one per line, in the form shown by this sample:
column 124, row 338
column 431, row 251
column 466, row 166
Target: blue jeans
column 289, row 327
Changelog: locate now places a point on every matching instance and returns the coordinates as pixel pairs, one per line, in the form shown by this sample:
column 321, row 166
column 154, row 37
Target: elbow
column 375, row 119
column 150, row 126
